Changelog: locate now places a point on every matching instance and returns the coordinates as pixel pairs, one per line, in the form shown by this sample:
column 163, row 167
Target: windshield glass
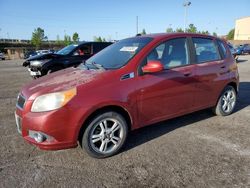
column 117, row 55
column 66, row 50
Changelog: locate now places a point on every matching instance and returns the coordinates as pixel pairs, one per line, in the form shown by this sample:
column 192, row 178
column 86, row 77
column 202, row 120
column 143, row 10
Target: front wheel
column 105, row 135
column 226, row 102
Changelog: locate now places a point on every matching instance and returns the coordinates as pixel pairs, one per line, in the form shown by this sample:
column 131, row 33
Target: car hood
column 61, row 81
column 40, row 57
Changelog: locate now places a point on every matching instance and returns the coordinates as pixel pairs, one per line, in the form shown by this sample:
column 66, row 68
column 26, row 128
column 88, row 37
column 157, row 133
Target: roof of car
column 84, row 42
column 164, row 35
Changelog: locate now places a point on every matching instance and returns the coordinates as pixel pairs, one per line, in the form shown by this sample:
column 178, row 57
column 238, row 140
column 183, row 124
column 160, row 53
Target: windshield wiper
column 96, row 65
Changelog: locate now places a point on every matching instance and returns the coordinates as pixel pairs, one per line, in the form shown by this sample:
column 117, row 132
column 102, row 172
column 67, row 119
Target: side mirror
column 152, row 66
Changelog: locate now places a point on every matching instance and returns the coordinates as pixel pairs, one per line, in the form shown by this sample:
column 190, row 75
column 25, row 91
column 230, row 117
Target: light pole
column 136, row 24
column 186, row 4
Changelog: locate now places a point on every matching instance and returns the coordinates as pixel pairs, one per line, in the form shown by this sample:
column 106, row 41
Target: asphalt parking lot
column 196, row 150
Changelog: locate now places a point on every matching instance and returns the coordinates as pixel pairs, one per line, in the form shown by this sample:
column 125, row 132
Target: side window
column 205, row 50
column 83, row 50
column 98, row 47
column 222, row 49
column 172, row 53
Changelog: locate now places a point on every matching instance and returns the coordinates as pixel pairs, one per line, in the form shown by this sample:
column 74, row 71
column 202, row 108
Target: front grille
column 20, row 101
column 35, row 69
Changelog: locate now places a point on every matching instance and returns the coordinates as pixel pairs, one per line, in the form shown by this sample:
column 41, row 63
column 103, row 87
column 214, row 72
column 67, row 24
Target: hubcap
column 228, row 101
column 106, row 135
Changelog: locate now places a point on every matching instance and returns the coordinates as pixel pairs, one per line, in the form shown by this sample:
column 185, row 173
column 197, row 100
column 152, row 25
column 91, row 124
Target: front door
column 170, row 92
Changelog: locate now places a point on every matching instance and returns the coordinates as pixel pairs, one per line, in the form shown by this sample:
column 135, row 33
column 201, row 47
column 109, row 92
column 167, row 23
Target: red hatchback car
column 133, row 83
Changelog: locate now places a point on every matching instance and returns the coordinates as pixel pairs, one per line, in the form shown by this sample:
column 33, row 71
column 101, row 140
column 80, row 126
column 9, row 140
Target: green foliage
column 99, row 39
column 179, row 30
column 191, row 29
column 169, row 30
column 143, row 32
column 67, row 40
column 38, row 37
column 75, row 37
column 230, row 35
column 58, row 40
column 204, row 32
column 215, row 34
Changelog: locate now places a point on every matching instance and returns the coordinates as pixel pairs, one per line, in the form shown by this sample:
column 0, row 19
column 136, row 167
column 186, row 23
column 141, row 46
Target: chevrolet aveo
column 133, row 83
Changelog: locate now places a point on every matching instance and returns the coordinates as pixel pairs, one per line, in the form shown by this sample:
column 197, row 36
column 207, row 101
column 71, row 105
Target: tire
column 99, row 141
column 226, row 103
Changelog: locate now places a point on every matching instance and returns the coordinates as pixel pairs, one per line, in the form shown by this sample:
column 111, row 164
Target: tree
column 58, row 40
column 204, row 32
column 191, row 29
column 143, row 32
column 215, row 34
column 38, row 37
column 169, row 30
column 99, row 39
column 75, row 37
column 179, row 30
column 67, row 40
column 230, row 35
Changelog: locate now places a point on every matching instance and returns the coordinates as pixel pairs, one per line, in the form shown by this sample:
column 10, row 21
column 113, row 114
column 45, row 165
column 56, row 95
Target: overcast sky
column 115, row 19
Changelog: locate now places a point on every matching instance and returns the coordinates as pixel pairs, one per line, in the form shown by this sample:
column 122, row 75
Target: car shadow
column 241, row 60
column 151, row 132
column 243, row 96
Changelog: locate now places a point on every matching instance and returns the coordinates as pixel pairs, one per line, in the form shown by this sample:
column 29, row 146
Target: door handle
column 223, row 66
column 187, row 74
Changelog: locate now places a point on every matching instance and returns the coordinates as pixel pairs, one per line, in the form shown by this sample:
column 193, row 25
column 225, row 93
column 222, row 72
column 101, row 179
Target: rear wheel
column 226, row 102
column 105, row 135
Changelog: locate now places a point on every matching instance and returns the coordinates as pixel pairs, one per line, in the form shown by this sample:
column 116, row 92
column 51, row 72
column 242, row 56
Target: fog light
column 39, row 137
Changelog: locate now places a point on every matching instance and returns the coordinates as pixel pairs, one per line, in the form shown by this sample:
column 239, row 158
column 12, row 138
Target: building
column 15, row 49
column 242, row 29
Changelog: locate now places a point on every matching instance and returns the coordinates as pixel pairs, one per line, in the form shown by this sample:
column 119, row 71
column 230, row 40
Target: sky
column 115, row 19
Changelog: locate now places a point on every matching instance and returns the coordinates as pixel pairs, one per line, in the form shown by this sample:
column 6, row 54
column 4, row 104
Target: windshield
column 66, row 50
column 117, row 55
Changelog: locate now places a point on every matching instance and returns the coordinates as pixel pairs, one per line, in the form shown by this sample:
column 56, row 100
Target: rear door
column 167, row 93
column 210, row 70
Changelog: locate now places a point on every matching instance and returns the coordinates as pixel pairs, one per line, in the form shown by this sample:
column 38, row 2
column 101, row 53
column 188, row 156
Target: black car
column 69, row 56
column 30, row 54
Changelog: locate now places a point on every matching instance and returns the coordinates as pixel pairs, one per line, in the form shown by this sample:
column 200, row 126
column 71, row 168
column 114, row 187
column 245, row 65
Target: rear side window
column 205, row 50
column 222, row 49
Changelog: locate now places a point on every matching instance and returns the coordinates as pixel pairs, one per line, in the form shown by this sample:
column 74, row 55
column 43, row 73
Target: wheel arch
column 234, row 85
column 121, row 110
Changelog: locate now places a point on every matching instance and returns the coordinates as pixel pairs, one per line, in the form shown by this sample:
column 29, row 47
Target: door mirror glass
column 152, row 66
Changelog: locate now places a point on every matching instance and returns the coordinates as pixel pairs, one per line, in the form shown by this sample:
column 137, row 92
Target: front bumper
column 61, row 126
column 34, row 73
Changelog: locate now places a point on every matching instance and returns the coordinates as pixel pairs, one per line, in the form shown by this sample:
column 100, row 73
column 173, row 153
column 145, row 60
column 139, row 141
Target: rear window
column 205, row 50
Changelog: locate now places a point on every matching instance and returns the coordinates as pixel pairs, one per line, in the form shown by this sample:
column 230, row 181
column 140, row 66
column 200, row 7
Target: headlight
column 39, row 62
column 52, row 101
